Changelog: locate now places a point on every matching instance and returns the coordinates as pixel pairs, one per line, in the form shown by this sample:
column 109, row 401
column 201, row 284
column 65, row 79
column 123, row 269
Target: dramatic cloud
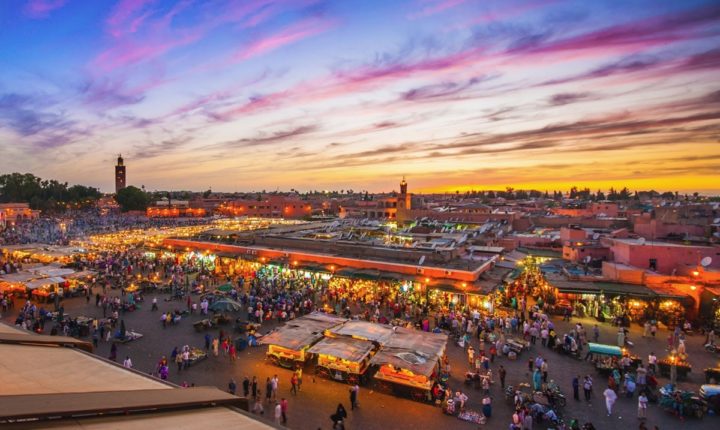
column 450, row 92
column 442, row 90
column 567, row 98
column 286, row 36
column 274, row 137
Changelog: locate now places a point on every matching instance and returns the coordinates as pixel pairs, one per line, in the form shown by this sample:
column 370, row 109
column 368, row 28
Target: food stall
column 288, row 344
column 342, row 358
column 682, row 366
column 605, row 357
column 196, row 355
column 44, row 290
column 362, row 330
column 16, row 289
column 408, row 363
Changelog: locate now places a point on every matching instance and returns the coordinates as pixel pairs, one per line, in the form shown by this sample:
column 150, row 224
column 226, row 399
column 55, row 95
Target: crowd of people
column 278, row 294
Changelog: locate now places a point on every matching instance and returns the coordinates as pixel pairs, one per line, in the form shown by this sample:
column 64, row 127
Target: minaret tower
column 404, row 200
column 119, row 174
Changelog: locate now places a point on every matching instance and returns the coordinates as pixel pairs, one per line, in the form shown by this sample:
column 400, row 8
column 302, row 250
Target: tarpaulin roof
column 346, row 348
column 294, row 338
column 316, row 322
column 414, row 350
column 365, row 330
column 18, row 277
column 302, row 332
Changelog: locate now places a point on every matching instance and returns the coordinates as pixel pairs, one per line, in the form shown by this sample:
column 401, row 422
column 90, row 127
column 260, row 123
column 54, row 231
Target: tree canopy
column 132, row 199
column 46, row 195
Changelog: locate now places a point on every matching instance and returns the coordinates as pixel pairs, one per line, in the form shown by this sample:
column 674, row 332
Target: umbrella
column 225, row 287
column 226, row 305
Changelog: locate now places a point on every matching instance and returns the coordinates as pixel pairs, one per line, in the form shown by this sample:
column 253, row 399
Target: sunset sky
column 306, row 94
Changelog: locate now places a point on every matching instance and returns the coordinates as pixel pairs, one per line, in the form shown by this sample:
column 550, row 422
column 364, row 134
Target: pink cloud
column 130, row 53
column 286, row 36
column 655, row 31
column 127, row 16
column 38, row 9
column 435, row 7
column 505, row 13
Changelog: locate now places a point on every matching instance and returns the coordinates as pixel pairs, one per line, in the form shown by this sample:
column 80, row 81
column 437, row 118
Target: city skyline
column 455, row 94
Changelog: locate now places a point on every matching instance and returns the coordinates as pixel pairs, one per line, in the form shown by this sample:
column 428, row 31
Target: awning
column 607, row 288
column 372, row 275
column 313, row 268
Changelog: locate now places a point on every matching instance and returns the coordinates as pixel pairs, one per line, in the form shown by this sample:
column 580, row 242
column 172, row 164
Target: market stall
column 343, row 359
column 408, row 363
column 196, row 355
column 682, row 366
column 288, row 344
column 44, row 290
column 605, row 357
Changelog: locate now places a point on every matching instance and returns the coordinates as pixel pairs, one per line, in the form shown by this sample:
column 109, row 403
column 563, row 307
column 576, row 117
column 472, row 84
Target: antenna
column 705, row 262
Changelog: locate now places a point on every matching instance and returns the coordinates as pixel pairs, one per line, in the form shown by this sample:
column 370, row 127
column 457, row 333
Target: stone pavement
column 317, row 400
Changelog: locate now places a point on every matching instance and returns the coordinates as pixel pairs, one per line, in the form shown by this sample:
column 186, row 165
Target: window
column 653, row 264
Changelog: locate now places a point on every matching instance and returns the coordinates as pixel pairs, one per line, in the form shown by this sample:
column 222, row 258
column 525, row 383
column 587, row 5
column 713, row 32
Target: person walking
column 127, row 363
column 353, row 397
column 274, row 383
column 502, row 373
column 299, row 373
column 596, row 333
column 587, row 387
column 610, row 397
column 268, row 390
column 233, row 352
column 254, row 387
column 246, row 386
column 338, row 418
column 293, row 383
column 283, row 409
column 232, row 386
column 179, row 362
column 278, row 412
column 576, row 387
column 642, row 406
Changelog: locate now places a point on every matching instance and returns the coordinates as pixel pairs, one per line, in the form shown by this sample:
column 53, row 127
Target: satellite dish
column 641, row 241
column 587, row 259
column 705, row 262
column 596, row 236
column 422, row 260
column 716, row 221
